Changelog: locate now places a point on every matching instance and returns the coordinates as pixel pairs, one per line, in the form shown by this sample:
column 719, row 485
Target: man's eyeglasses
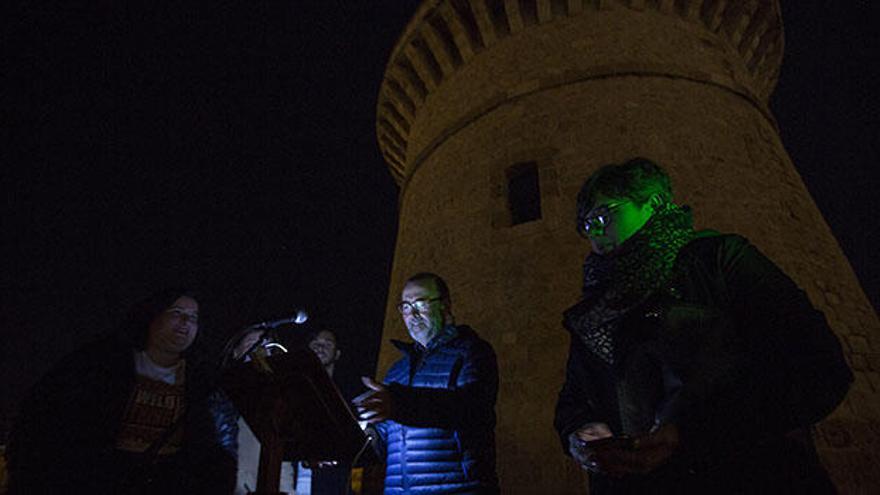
column 421, row 305
column 598, row 218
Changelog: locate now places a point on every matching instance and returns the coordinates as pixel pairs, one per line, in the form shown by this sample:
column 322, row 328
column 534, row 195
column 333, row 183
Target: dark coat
column 64, row 437
column 733, row 353
column 443, row 437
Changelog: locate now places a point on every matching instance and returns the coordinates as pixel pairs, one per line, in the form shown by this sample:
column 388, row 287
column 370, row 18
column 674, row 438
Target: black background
column 231, row 147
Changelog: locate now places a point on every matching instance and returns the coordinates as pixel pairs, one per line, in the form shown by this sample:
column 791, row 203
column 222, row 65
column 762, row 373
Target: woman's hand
column 578, row 444
column 639, row 455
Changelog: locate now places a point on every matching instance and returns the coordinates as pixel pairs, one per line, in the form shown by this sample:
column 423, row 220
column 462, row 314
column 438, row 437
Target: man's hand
column 375, row 404
column 639, row 455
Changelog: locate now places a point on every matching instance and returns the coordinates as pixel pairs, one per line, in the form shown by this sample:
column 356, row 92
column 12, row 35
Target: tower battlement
column 483, row 96
column 438, row 78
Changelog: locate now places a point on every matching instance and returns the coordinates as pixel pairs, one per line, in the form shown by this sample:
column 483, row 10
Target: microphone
column 298, row 319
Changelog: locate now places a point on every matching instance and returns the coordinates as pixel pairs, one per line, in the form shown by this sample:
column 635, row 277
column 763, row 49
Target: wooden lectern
column 295, row 411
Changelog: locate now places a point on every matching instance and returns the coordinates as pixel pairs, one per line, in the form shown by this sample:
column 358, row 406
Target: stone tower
column 491, row 115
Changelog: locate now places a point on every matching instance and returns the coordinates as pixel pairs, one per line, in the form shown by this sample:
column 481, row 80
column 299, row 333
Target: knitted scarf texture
column 616, row 283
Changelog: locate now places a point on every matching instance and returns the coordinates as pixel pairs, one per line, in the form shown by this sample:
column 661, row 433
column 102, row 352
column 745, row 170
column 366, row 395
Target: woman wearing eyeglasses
column 696, row 365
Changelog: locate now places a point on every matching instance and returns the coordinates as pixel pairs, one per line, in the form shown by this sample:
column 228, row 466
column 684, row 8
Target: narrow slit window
column 523, row 193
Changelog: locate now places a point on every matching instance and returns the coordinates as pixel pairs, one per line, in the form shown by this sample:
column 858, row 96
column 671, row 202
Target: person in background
column 434, row 415
column 325, row 478
column 696, row 365
column 301, row 478
column 131, row 413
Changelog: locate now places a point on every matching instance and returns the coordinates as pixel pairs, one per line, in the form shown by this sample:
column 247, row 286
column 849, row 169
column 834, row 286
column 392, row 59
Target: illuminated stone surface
column 474, row 87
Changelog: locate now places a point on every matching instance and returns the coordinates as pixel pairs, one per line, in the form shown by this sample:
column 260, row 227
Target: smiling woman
column 128, row 413
column 173, row 331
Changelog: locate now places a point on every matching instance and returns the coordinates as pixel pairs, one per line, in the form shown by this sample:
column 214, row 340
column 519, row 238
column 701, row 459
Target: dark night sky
column 232, row 148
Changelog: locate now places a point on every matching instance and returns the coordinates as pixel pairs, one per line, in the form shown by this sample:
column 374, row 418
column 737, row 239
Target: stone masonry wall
column 540, row 95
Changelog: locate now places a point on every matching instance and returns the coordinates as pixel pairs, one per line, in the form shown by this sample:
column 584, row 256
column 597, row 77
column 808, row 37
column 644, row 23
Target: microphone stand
column 268, row 339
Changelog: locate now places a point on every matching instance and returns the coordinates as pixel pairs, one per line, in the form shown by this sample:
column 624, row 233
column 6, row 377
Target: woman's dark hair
column 636, row 179
column 136, row 324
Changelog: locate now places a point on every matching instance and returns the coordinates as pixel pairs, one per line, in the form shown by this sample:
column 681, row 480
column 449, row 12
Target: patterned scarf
column 622, row 280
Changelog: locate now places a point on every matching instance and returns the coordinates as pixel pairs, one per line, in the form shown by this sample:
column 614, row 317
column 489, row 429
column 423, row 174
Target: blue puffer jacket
column 443, row 437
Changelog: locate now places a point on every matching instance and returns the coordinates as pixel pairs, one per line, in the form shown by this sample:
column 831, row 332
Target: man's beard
column 421, row 326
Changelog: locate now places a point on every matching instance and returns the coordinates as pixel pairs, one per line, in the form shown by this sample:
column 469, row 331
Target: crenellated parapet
column 491, row 115
column 438, row 75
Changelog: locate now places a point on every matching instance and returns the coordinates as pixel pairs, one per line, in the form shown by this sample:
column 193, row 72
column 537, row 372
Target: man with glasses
column 434, row 415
